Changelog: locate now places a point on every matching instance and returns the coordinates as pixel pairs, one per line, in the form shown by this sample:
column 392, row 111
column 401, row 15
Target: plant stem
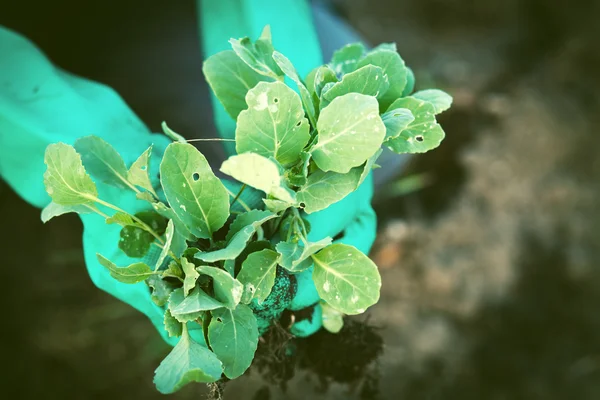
column 136, row 219
column 244, row 205
column 237, row 196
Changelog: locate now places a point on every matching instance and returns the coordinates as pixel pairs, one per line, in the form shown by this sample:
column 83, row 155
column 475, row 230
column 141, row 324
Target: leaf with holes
column 260, row 173
column 230, row 79
column 161, row 290
column 233, row 336
column 66, row 180
column 369, row 80
column 274, row 123
column 138, row 172
column 346, row 278
column 421, row 135
column 195, row 194
column 188, row 362
column 258, row 275
column 325, row 188
column 350, row 131
column 393, row 67
column 133, row 273
column 345, row 59
column 102, row 161
column 227, row 289
column 258, row 55
column 440, row 100
column 396, row 121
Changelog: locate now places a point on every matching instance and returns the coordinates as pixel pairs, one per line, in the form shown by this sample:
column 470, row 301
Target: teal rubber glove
column 39, row 105
column 295, row 36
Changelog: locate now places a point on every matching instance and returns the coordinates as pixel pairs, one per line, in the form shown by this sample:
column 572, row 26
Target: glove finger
column 310, row 325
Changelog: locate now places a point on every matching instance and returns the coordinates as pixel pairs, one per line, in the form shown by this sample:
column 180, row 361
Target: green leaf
column 345, row 59
column 167, row 246
column 189, row 308
column 258, row 55
column 245, row 219
column 350, row 131
column 396, row 121
column 161, row 290
column 173, row 327
column 325, row 188
column 138, row 172
column 175, row 271
column 346, row 279
column 102, row 161
column 121, row 218
column 191, row 276
column 260, row 173
column 168, row 213
column 230, row 79
column 369, row 80
column 333, row 320
column 297, row 175
column 145, row 196
column 258, row 275
column 233, row 336
column 227, row 289
column 440, row 100
column 295, row 257
column 368, row 167
column 65, row 179
column 171, row 134
column 195, row 194
column 274, row 123
column 421, row 135
column 134, row 241
column 187, row 362
column 393, row 66
column 323, row 76
column 276, row 206
column 133, row 273
column 54, row 210
column 229, row 266
column 288, row 69
column 386, row 46
column 237, row 243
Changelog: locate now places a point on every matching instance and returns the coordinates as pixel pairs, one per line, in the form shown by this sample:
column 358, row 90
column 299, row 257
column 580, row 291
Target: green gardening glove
column 40, row 105
column 295, row 36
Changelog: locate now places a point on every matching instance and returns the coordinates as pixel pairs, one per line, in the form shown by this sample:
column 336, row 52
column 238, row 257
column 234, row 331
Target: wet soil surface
column 491, row 278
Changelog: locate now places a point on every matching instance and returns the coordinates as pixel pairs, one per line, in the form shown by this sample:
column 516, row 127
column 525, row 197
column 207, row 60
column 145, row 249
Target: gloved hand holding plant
column 225, row 258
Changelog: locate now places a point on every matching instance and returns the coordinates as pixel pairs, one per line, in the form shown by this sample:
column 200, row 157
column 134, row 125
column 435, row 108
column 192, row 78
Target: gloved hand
column 40, row 105
column 43, row 105
column 295, row 36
